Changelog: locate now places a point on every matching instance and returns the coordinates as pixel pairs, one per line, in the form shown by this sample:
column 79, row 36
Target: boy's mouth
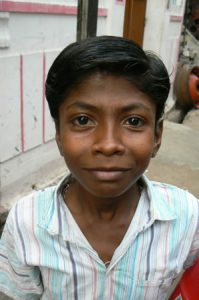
column 108, row 174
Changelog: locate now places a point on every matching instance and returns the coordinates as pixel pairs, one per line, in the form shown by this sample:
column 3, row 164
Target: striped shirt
column 44, row 254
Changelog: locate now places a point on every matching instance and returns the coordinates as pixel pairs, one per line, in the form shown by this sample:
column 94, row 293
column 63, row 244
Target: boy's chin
column 110, row 191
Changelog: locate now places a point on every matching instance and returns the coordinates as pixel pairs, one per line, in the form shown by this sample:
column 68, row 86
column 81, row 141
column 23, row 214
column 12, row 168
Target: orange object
column 188, row 287
column 194, row 86
column 186, row 87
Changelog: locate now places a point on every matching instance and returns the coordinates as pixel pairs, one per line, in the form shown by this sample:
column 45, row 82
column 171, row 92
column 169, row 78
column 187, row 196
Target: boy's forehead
column 108, row 91
column 99, row 82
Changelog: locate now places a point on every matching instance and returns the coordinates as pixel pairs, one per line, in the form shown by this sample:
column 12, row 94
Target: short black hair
column 111, row 55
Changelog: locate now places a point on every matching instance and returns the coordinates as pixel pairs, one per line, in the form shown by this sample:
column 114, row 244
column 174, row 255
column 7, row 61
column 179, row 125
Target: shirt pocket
column 154, row 289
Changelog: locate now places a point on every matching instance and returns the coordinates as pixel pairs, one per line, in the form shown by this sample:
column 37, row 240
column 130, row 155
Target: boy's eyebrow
column 133, row 106
column 124, row 109
column 82, row 105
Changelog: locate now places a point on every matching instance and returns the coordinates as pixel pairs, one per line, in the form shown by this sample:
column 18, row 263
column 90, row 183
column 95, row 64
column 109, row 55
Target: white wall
column 115, row 18
column 162, row 33
column 29, row 42
column 163, row 29
column 155, row 12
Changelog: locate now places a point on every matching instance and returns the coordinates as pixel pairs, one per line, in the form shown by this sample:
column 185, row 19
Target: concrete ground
column 178, row 159
column 4, row 297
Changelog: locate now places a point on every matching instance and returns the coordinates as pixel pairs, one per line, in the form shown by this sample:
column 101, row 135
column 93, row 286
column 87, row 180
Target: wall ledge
column 28, row 7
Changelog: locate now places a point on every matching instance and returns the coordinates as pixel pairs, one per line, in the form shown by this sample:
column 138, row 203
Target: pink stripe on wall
column 175, row 18
column 27, row 7
column 120, row 2
column 44, row 100
column 22, row 103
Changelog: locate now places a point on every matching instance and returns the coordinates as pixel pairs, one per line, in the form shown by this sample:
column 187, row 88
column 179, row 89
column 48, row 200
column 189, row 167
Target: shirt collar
column 160, row 203
column 54, row 219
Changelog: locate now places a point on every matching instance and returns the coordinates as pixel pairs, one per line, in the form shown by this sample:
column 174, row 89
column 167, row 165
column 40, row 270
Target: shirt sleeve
column 194, row 250
column 17, row 279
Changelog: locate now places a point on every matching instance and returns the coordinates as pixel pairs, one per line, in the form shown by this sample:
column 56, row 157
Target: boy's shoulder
column 35, row 205
column 42, row 197
column 177, row 200
column 170, row 191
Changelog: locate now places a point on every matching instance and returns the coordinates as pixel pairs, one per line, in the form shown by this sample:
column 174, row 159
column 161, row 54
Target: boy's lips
column 107, row 174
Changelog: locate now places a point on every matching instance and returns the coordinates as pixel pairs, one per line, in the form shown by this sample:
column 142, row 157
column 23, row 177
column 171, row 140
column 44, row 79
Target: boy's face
column 107, row 134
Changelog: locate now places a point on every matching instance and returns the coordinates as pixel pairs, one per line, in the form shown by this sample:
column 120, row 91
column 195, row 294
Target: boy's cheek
column 59, row 144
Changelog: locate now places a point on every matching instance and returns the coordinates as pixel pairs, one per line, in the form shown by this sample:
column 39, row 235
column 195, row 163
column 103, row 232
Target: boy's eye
column 134, row 121
column 83, row 121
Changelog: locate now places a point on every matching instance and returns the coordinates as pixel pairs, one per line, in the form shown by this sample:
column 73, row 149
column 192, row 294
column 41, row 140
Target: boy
column 105, row 232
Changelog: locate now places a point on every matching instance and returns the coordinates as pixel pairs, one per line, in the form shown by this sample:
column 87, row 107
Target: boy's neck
column 79, row 201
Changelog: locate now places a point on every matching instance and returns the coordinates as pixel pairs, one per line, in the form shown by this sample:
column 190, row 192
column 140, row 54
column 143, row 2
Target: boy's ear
column 158, row 137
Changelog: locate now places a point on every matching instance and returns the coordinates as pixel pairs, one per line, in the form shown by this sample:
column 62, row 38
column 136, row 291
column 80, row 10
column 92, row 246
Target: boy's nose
column 108, row 141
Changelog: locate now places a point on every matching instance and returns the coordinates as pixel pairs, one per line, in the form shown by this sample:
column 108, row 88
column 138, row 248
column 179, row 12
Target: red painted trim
column 22, row 103
column 121, row 2
column 44, row 100
column 27, row 7
column 176, row 18
column 102, row 12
